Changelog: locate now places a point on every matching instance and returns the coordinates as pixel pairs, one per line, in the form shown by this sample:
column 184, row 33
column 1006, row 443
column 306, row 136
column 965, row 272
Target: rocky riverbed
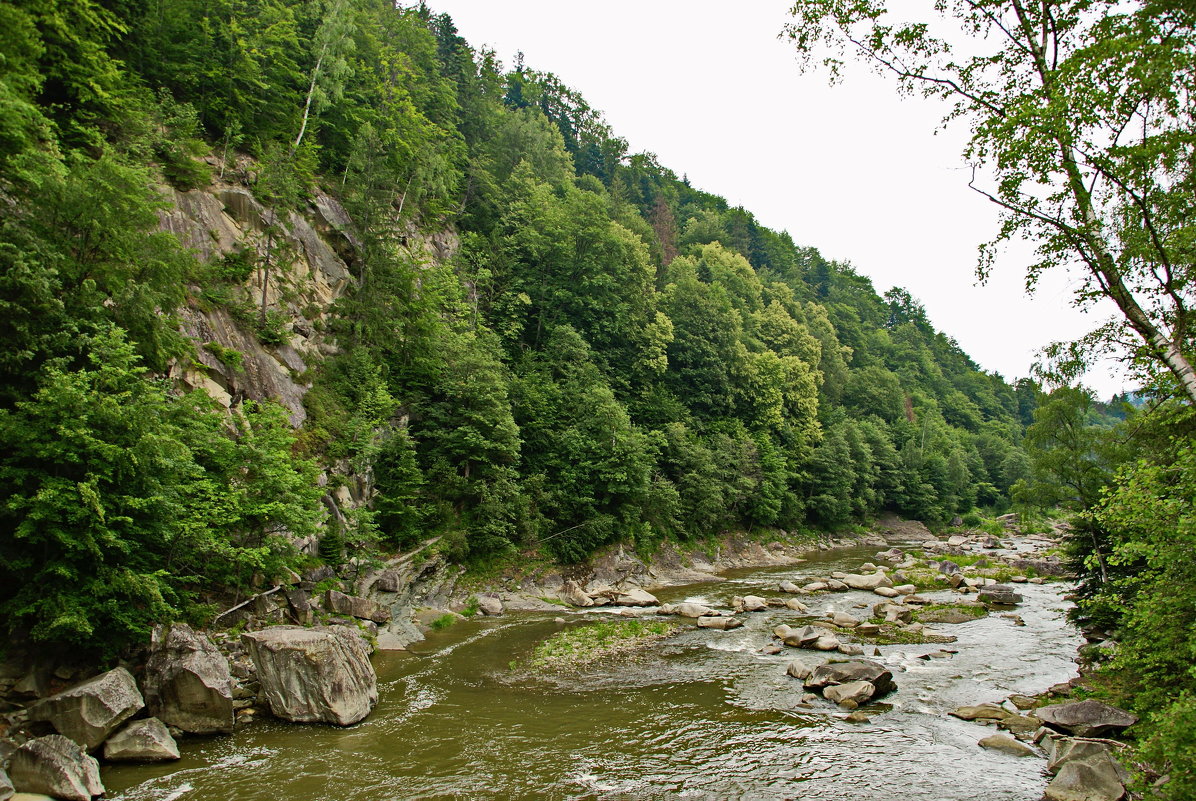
column 823, row 673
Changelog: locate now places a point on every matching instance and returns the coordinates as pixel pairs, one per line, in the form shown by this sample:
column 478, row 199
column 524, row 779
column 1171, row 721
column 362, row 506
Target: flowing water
column 701, row 715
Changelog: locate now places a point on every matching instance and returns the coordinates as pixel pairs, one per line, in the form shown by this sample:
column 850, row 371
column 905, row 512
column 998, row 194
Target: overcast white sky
column 851, row 169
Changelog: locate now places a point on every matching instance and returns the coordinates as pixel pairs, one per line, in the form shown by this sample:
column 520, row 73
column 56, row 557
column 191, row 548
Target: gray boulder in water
column 187, row 682
column 1086, row 718
column 56, row 766
column 833, row 673
column 87, row 713
column 316, row 675
column 142, row 741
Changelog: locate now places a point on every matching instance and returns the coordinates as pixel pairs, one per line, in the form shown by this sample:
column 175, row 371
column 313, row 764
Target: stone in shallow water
column 56, row 766
column 1086, row 718
column 1007, row 745
column 88, row 712
column 142, row 741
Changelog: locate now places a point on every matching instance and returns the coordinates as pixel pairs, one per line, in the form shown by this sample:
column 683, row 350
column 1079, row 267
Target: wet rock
column 844, row 620
column 145, row 740
column 857, row 692
column 719, row 623
column 636, row 597
column 317, row 675
column 187, row 682
column 850, row 649
column 771, row 650
column 1020, row 724
column 834, row 673
column 805, row 637
column 1006, row 745
column 1086, row 780
column 801, row 668
column 571, row 593
column 867, row 582
column 858, row 717
column 354, row 606
column 749, row 603
column 980, row 712
column 790, row 587
column 1023, row 702
column 692, row 610
column 796, row 605
column 827, row 642
column 999, row 594
column 489, row 606
column 1086, row 718
column 886, row 592
column 87, row 713
column 56, row 766
column 834, row 585
column 815, row 586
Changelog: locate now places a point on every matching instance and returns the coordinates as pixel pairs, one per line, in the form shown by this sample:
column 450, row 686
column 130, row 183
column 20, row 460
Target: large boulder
column 833, row 673
column 691, row 610
column 316, row 675
column 722, row 623
column 999, row 594
column 636, row 597
column 144, row 740
column 573, row 594
column 490, row 606
column 805, row 637
column 852, row 693
column 749, row 603
column 56, row 766
column 1097, row 778
column 187, row 682
column 354, row 606
column 1086, row 718
column 867, row 582
column 88, row 712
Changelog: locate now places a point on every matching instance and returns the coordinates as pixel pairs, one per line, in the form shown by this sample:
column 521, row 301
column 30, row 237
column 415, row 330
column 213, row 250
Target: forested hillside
column 604, row 354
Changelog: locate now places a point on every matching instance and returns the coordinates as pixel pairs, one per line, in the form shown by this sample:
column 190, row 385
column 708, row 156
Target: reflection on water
column 703, row 715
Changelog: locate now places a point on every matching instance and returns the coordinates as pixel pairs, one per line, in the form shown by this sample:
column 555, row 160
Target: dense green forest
column 609, row 355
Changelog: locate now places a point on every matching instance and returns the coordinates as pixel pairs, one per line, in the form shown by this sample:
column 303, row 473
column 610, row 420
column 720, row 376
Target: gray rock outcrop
column 87, row 713
column 187, row 682
column 142, row 741
column 56, row 766
column 833, row 673
column 1086, row 718
column 317, row 675
column 355, row 606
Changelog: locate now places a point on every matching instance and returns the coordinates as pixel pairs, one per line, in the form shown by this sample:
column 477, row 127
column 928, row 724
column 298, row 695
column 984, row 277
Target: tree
column 1082, row 111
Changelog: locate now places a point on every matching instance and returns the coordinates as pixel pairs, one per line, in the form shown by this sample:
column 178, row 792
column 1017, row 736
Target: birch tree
column 1083, row 125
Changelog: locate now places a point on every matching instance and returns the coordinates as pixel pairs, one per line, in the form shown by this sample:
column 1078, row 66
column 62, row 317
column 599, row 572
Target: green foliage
column 122, row 503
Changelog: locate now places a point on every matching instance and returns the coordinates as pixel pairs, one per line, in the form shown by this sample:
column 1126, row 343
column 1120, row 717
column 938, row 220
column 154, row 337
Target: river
column 701, row 715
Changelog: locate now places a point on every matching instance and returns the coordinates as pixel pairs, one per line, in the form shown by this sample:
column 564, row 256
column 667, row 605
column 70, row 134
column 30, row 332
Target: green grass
column 581, row 645
column 971, row 611
column 444, row 621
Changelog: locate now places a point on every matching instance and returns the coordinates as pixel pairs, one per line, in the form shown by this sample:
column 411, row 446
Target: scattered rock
column 571, row 593
column 1007, row 745
column 56, row 766
column 87, row 713
column 317, row 675
column 844, row 620
column 796, row 605
column 489, row 606
column 980, row 712
column 886, row 592
column 867, row 582
column 834, row 673
column 187, row 682
column 999, row 594
column 858, row 717
column 857, row 692
column 692, row 610
column 790, row 587
column 827, row 642
column 1086, row 718
column 354, row 606
column 722, row 623
column 145, row 740
column 867, row 629
column 947, row 567
column 636, row 597
column 801, row 668
column 749, row 603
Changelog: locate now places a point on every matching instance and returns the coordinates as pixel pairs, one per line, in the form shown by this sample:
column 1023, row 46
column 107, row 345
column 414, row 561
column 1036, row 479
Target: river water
column 701, row 715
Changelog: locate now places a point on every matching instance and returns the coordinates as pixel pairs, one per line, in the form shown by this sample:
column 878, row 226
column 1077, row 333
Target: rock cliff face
column 312, row 256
